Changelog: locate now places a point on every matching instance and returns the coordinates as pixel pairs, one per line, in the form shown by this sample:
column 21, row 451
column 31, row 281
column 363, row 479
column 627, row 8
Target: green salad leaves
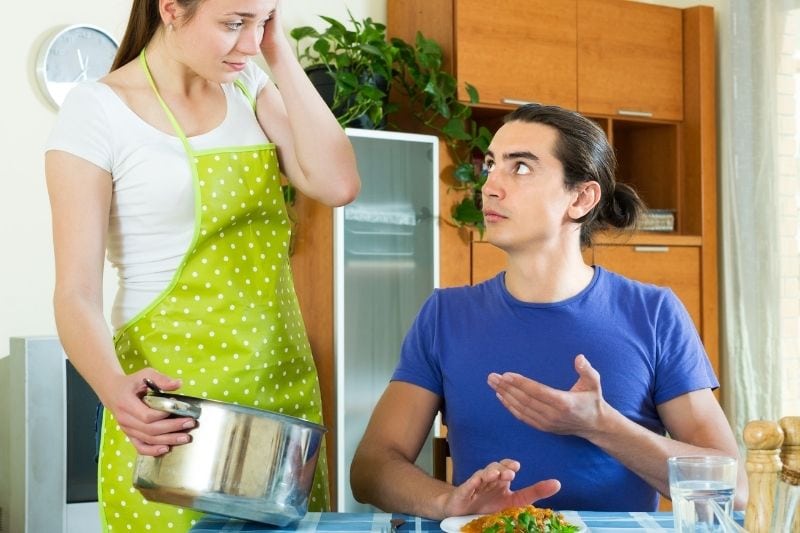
column 526, row 523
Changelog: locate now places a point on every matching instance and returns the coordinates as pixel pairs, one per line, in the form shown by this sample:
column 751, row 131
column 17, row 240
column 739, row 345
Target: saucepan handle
column 169, row 405
column 172, row 406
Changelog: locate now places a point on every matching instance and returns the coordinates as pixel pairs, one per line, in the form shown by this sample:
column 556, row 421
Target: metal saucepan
column 241, row 462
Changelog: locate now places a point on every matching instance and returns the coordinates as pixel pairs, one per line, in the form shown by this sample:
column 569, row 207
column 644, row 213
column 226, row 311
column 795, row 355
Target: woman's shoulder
column 86, row 104
column 87, row 93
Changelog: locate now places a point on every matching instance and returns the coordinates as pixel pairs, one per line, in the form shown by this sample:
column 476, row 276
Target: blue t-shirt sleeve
column 682, row 365
column 419, row 363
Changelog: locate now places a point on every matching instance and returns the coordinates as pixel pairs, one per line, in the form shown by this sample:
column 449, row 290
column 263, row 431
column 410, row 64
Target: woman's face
column 218, row 40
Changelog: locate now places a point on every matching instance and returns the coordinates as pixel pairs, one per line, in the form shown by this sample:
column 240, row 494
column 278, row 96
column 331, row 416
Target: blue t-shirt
column 639, row 338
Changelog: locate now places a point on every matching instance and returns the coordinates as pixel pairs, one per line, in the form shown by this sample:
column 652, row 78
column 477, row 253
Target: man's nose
column 493, row 185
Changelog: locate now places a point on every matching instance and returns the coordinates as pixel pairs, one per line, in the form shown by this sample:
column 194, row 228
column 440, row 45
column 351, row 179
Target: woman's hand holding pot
column 150, row 431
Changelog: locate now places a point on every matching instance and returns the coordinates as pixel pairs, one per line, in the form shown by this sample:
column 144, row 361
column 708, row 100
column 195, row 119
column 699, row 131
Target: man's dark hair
column 586, row 155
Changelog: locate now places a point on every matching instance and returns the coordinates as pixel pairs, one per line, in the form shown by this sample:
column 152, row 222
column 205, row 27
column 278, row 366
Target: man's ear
column 587, row 195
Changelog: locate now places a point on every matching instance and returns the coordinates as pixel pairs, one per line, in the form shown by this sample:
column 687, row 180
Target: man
column 558, row 381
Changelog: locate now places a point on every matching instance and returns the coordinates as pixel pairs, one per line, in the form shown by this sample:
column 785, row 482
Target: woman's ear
column 587, row 196
column 169, row 10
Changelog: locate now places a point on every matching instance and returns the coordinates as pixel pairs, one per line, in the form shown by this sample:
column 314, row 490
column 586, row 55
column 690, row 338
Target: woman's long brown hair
column 142, row 25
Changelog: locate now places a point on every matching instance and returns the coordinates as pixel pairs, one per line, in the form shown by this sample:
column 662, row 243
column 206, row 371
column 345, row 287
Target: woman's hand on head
column 489, row 490
column 150, row 431
column 274, row 37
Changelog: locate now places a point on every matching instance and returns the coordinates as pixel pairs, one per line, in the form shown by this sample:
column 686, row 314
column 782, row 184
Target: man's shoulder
column 484, row 289
column 615, row 282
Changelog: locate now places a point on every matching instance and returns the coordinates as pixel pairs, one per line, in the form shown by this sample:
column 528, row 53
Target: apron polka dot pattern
column 229, row 326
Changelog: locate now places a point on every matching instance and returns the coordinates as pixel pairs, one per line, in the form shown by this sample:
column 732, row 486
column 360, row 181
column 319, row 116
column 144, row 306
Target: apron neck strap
column 170, row 116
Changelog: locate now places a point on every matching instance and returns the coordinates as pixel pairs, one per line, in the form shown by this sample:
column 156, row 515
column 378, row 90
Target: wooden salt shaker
column 790, row 452
column 763, row 440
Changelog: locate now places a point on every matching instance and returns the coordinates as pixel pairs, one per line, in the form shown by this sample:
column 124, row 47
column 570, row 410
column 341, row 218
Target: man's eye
column 488, row 165
column 522, row 169
column 234, row 26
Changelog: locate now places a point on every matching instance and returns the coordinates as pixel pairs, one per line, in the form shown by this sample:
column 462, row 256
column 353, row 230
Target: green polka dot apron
column 228, row 324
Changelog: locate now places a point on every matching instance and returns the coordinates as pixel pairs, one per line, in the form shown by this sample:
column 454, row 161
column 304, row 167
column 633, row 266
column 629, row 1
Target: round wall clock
column 73, row 54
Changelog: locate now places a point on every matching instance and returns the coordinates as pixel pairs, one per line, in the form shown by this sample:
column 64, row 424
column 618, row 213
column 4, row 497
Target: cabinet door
column 522, row 51
column 676, row 267
column 630, row 59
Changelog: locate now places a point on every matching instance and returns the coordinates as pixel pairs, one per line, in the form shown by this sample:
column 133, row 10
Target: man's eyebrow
column 521, row 155
column 524, row 154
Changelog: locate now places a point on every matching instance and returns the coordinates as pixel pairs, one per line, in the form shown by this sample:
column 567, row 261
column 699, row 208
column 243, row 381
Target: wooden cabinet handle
column 651, row 249
column 630, row 113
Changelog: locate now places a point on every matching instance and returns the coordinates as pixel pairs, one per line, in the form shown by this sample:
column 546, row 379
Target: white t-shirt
column 151, row 223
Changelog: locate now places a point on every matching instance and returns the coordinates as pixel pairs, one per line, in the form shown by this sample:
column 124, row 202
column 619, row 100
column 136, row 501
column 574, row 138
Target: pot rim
column 252, row 411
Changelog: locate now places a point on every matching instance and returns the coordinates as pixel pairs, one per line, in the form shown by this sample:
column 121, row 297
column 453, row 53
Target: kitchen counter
column 380, row 523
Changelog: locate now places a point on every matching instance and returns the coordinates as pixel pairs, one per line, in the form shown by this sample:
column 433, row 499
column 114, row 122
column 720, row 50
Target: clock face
column 75, row 54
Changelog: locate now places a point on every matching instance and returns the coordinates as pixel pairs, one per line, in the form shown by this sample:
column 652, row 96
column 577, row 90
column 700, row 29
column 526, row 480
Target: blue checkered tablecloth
column 601, row 522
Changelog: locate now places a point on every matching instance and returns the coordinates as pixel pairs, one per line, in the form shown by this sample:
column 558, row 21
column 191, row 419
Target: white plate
column 454, row 524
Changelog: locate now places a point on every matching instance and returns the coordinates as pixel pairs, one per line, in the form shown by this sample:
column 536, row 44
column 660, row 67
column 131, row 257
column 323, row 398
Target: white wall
column 26, row 258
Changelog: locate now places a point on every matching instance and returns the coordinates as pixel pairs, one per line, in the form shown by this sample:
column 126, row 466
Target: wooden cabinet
column 542, row 66
column 604, row 57
column 630, row 59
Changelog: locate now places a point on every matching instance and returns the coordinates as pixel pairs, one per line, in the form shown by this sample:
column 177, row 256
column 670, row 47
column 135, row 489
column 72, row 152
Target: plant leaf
column 335, row 24
column 464, row 173
column 301, row 32
column 472, row 92
column 454, row 128
column 467, row 212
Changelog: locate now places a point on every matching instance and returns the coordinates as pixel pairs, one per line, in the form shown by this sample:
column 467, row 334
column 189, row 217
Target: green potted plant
column 352, row 67
column 432, row 95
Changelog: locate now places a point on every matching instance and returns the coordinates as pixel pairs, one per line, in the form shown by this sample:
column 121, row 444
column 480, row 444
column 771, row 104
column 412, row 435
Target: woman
column 171, row 162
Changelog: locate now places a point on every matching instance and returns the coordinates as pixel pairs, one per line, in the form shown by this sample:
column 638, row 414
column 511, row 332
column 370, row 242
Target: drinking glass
column 694, row 483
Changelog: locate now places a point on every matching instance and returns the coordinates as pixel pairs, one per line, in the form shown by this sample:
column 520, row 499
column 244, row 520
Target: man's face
column 525, row 201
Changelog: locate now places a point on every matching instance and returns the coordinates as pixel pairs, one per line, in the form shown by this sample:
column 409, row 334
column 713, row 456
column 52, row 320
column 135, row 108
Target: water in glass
column 691, row 505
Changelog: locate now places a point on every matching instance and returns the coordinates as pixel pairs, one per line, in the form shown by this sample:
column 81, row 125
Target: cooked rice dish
column 540, row 516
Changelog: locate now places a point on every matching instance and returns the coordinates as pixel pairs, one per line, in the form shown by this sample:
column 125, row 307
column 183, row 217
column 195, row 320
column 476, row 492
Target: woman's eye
column 488, row 165
column 234, row 26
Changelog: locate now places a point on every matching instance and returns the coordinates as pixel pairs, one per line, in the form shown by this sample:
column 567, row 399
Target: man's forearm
column 390, row 482
column 645, row 452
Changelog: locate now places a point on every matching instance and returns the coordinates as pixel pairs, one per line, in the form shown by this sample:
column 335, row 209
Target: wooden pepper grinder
column 763, row 439
column 790, row 457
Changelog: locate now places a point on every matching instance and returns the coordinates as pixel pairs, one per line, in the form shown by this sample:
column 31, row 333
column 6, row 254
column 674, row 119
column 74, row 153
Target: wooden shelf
column 647, row 238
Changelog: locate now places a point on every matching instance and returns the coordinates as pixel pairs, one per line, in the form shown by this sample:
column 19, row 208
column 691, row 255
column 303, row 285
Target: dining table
column 588, row 521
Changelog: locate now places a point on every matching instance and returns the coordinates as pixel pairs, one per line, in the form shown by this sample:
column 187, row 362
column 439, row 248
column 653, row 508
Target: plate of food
column 526, row 519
